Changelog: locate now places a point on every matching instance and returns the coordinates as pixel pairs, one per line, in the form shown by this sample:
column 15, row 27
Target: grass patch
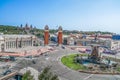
column 118, row 69
column 69, row 62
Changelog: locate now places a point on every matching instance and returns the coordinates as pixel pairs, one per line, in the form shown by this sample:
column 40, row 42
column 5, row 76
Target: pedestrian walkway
column 35, row 51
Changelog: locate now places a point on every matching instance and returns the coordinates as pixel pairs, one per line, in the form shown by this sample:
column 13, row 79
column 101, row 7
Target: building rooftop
column 15, row 36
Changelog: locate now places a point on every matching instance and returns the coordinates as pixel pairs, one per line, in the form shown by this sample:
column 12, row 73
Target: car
column 110, row 52
column 7, row 72
column 63, row 47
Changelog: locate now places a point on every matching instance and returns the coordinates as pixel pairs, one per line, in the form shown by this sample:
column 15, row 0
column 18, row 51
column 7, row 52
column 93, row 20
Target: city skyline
column 82, row 15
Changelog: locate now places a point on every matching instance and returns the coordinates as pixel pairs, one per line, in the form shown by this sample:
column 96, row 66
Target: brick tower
column 46, row 35
column 60, row 35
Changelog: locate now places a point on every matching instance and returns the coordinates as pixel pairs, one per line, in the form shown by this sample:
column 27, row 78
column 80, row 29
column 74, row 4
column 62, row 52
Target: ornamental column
column 16, row 43
column 60, row 35
column 46, row 35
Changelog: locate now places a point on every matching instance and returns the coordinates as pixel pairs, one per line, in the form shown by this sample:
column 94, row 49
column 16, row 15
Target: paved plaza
column 52, row 59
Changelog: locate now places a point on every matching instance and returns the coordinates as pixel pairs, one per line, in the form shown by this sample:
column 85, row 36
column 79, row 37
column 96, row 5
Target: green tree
column 47, row 75
column 27, row 76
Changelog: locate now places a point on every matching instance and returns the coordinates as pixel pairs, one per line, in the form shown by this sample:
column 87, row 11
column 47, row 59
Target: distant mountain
column 7, row 29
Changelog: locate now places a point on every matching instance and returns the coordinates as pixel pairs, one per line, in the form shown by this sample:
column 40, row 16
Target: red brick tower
column 60, row 35
column 46, row 35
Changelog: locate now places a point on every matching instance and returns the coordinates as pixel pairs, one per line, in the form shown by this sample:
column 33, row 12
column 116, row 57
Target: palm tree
column 47, row 75
column 27, row 76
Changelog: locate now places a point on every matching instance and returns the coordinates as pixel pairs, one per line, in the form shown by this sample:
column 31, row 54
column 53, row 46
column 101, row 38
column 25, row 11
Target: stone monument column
column 60, row 34
column 46, row 35
column 31, row 41
column 16, row 42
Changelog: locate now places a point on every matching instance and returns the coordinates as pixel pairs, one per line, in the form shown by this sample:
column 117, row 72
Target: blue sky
column 85, row 15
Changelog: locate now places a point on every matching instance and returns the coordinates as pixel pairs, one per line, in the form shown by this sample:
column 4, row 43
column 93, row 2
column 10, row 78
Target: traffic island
column 92, row 68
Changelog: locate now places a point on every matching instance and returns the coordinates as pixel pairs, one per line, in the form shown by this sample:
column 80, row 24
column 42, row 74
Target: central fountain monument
column 96, row 62
column 94, row 56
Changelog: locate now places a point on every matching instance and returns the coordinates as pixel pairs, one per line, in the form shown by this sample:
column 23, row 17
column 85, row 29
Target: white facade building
column 113, row 44
column 8, row 42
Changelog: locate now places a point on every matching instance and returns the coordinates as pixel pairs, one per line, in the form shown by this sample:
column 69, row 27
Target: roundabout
column 89, row 68
column 56, row 60
column 66, row 73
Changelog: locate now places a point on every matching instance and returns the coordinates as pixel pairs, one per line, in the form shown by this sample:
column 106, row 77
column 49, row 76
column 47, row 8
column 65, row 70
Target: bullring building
column 8, row 42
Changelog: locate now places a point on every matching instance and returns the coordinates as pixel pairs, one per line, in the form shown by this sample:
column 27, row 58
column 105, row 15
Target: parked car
column 110, row 52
